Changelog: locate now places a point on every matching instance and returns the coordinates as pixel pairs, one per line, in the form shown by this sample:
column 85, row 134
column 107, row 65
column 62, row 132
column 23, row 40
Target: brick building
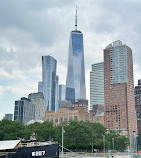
column 76, row 113
column 119, row 97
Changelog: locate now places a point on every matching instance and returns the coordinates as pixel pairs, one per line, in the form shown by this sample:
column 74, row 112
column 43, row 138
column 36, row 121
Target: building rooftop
column 115, row 43
column 33, row 121
column 8, row 144
column 76, row 31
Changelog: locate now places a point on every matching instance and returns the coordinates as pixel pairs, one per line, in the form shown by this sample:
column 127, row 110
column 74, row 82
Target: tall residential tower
column 75, row 82
column 119, row 96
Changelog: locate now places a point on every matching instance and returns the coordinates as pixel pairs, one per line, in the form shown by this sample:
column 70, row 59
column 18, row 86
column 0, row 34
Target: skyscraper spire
column 75, row 82
column 76, row 19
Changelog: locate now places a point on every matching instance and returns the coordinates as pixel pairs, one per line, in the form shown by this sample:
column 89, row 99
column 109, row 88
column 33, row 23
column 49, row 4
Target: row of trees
column 78, row 136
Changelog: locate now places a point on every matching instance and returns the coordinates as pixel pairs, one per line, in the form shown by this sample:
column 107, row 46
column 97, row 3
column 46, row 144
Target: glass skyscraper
column 49, row 65
column 57, row 94
column 75, row 83
column 97, row 84
column 62, row 93
column 40, row 86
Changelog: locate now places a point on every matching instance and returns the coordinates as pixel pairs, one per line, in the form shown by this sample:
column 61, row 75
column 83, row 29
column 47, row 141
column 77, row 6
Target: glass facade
column 39, row 104
column 118, row 60
column 8, row 116
column 31, row 108
column 49, row 81
column 24, row 110
column 40, row 86
column 62, row 92
column 57, row 94
column 75, row 83
column 97, row 84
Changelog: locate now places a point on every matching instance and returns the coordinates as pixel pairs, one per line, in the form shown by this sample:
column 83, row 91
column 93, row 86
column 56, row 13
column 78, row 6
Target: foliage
column 100, row 130
column 139, row 142
column 119, row 142
column 44, row 131
column 81, row 135
column 77, row 136
column 10, row 130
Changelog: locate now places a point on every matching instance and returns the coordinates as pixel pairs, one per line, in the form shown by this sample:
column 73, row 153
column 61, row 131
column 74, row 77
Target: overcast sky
column 32, row 28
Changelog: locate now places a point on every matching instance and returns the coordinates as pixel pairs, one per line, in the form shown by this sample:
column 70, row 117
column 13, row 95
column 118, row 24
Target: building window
column 16, row 107
column 61, row 119
column 70, row 118
column 51, row 120
column 75, row 118
column 56, row 120
column 16, row 102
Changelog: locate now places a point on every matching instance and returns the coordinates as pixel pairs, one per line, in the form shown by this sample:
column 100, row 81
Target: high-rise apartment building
column 75, row 82
column 8, row 116
column 119, row 97
column 97, row 85
column 39, row 104
column 138, row 105
column 49, row 65
column 31, row 108
column 24, row 110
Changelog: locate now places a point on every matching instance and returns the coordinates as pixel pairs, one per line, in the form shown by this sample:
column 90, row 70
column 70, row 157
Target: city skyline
column 29, row 30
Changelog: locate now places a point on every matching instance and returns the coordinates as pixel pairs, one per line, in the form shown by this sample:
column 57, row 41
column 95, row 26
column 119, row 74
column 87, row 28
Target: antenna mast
column 76, row 20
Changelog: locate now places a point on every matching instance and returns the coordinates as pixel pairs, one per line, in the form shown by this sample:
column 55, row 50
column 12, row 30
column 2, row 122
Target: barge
column 18, row 149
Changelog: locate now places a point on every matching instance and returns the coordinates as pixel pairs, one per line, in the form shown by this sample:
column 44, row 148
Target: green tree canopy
column 44, row 131
column 119, row 142
column 81, row 135
column 11, row 130
column 77, row 136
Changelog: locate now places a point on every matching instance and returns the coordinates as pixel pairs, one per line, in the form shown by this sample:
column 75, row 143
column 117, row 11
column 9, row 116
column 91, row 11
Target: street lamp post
column 133, row 143
column 113, row 143
column 62, row 141
column 104, row 144
column 92, row 147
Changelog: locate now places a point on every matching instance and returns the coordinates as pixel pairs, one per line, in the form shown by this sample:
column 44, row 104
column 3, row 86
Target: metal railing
column 98, row 155
column 6, row 153
column 31, row 144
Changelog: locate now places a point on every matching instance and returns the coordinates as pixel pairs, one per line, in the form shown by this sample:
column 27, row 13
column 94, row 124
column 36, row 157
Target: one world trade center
column 75, row 82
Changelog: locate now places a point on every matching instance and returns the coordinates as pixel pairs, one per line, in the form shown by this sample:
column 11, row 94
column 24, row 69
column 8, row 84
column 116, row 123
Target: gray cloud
column 30, row 29
column 34, row 20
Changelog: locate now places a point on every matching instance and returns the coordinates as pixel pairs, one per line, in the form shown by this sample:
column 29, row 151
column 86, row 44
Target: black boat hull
column 49, row 151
